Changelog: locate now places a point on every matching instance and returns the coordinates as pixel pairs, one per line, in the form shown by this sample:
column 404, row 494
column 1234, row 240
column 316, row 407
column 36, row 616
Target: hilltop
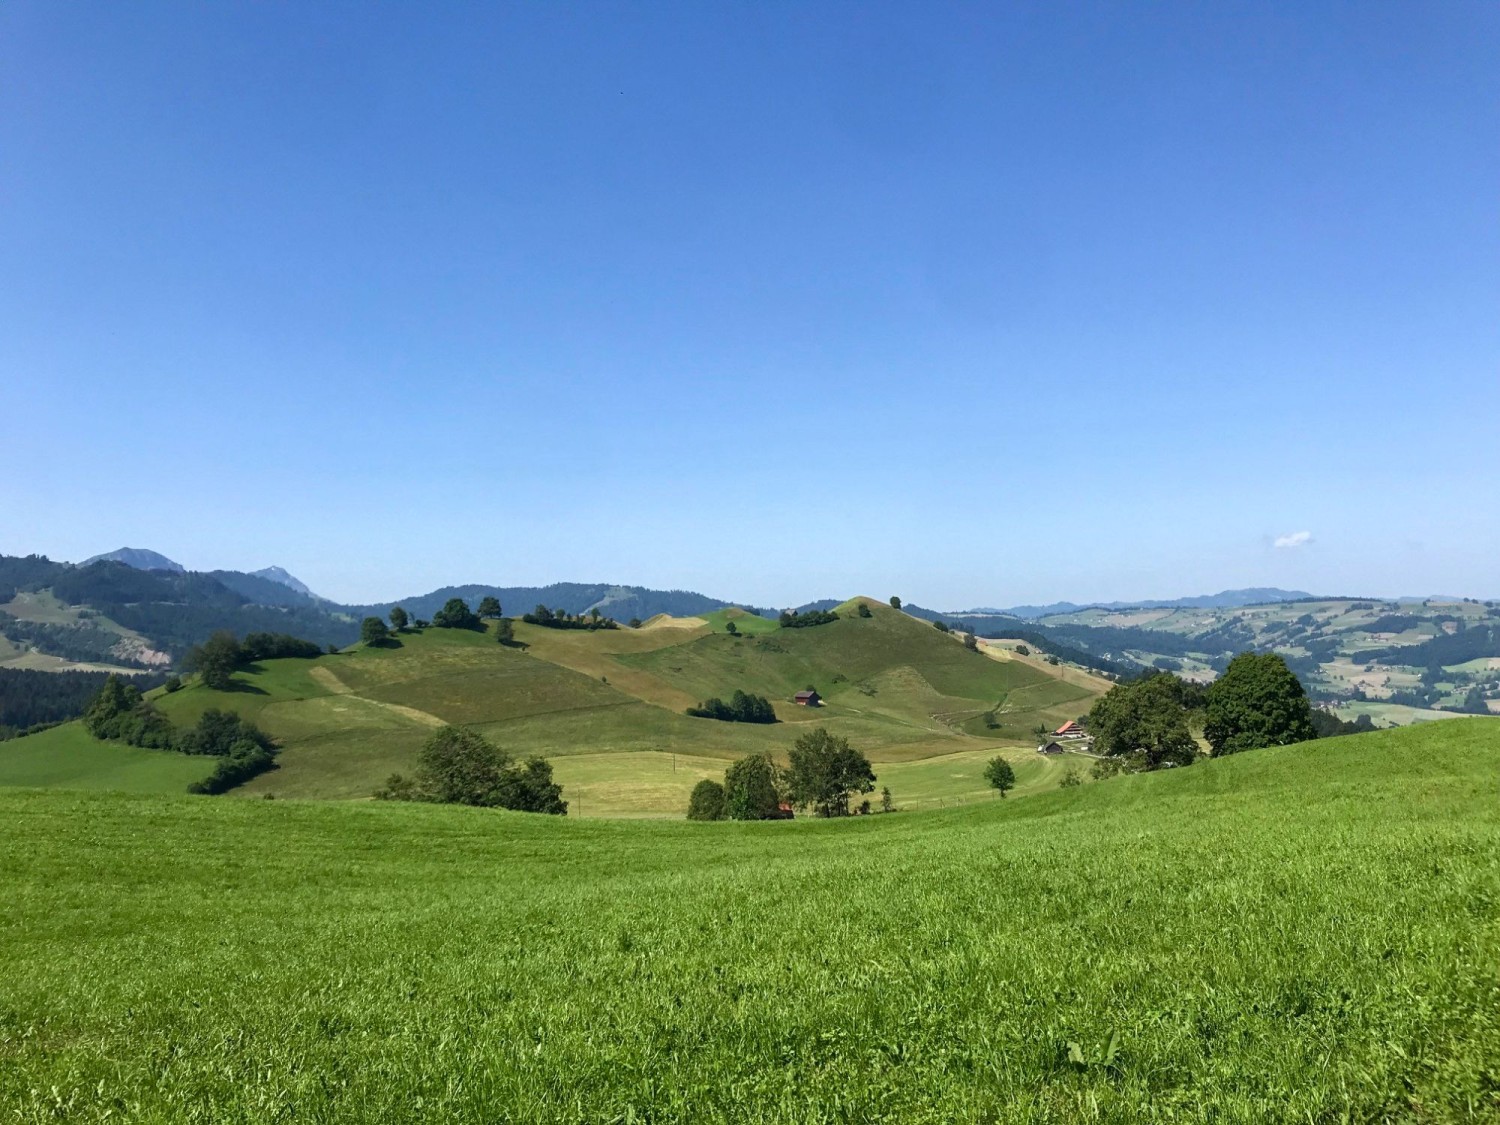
column 608, row 706
column 1306, row 933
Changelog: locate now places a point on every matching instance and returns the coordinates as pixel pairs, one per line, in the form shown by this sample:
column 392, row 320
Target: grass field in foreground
column 1309, row 933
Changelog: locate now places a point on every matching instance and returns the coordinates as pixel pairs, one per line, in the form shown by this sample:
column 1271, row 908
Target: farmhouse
column 808, row 698
column 1070, row 729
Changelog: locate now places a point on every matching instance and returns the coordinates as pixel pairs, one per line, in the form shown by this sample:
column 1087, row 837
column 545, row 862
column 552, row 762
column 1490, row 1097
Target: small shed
column 1051, row 748
column 808, row 698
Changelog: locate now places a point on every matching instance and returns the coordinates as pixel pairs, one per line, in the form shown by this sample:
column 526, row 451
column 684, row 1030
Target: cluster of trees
column 218, row 658
column 461, row 767
column 741, row 708
column 456, row 614
column 30, row 699
column 791, row 619
column 822, row 773
column 561, row 619
column 1257, row 702
column 119, row 713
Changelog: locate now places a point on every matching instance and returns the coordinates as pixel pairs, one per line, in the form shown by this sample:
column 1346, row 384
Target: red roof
column 1068, row 728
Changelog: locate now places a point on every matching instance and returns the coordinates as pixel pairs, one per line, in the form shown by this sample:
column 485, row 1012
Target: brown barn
column 1051, row 748
column 808, row 698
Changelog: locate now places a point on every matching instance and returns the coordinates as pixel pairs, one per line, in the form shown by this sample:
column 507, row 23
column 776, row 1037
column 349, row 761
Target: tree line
column 34, row 700
column 791, row 619
column 823, row 772
column 120, row 713
column 741, row 708
column 561, row 619
column 218, row 658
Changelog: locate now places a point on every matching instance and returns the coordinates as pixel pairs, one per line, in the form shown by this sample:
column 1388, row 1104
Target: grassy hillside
column 1310, row 933
column 895, row 687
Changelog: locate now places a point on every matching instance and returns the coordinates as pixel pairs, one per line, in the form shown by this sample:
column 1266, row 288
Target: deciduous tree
column 1257, row 702
column 824, row 771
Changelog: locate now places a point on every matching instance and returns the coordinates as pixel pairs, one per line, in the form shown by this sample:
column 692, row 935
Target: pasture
column 1309, row 933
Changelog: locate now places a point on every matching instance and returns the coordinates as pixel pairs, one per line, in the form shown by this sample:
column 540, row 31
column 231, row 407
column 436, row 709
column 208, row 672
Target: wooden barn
column 808, row 698
column 1052, row 748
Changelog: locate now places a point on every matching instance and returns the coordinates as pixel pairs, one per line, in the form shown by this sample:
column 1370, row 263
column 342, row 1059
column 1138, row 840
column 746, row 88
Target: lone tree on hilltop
column 824, row 771
column 750, row 789
column 895, row 602
column 1000, row 775
column 731, row 628
column 971, row 642
column 372, row 631
column 398, row 618
column 489, row 606
column 708, row 802
column 1257, row 702
column 455, row 614
column 216, row 659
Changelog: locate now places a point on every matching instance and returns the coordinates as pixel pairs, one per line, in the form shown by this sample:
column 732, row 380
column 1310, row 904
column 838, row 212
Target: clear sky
column 978, row 304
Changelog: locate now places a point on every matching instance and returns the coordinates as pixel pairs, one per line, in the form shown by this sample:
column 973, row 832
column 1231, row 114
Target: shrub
column 708, row 802
column 461, row 767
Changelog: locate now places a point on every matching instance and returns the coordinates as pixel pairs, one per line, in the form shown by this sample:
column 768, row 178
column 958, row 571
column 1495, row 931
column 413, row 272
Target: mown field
column 1302, row 934
column 899, row 690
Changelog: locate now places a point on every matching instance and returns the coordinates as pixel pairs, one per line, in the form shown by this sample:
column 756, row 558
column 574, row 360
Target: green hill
column 897, row 688
column 1308, row 933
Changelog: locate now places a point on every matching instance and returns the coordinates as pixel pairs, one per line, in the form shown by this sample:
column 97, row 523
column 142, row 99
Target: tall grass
column 1308, row 934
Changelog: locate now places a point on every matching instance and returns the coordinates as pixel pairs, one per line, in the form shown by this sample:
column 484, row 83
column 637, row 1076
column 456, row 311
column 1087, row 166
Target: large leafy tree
column 824, row 770
column 489, row 606
column 1257, row 702
column 1145, row 717
column 750, row 789
column 372, row 631
column 216, row 659
column 456, row 614
column 398, row 618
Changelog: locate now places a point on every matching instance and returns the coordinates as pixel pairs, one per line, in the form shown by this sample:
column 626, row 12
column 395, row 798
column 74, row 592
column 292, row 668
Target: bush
column 1070, row 779
column 708, row 802
column 246, row 761
column 172, row 683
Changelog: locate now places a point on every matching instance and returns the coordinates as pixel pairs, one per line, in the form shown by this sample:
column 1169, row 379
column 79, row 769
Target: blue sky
column 975, row 304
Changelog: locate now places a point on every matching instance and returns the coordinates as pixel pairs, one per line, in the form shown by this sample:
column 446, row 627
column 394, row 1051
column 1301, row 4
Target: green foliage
column 1144, row 716
column 505, row 631
column 30, row 698
column 635, row 622
column 559, row 619
column 941, row 626
column 971, row 642
column 223, row 734
column 887, row 803
column 1070, row 778
column 276, row 646
column 1000, row 774
column 489, row 606
column 457, row 766
column 864, row 610
column 372, row 631
column 731, row 628
column 895, row 602
column 791, row 619
column 1256, row 703
column 823, row 771
column 120, row 714
column 752, row 789
column 1105, row 768
column 216, row 659
column 247, row 761
column 399, row 618
column 741, row 708
column 456, row 614
column 171, row 684
column 708, row 802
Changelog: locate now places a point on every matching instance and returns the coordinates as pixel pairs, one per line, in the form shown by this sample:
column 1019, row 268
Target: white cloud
column 1295, row 539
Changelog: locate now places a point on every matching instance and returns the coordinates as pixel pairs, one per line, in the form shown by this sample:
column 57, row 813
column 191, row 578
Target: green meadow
column 1310, row 933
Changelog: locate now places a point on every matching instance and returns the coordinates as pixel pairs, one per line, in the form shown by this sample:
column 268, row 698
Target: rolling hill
column 1309, row 933
column 914, row 699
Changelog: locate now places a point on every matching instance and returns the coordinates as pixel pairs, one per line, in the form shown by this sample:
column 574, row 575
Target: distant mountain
column 259, row 590
column 279, row 575
column 1226, row 599
column 140, row 558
